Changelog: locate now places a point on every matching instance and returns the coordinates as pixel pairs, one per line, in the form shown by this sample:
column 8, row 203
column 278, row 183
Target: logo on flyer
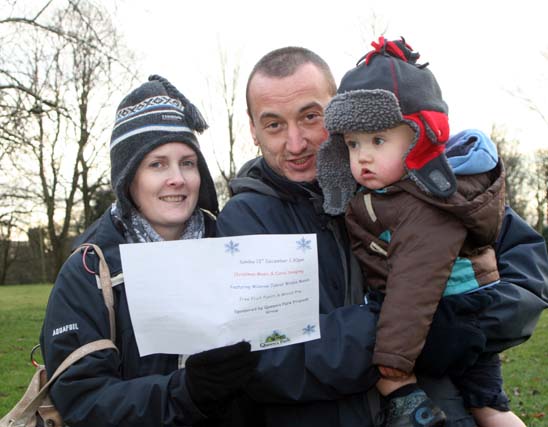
column 275, row 338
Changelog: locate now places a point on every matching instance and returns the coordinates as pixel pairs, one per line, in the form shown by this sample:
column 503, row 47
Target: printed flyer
column 188, row 296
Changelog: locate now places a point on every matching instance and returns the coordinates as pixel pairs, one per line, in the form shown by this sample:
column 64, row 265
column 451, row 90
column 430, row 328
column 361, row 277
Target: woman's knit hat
column 387, row 88
column 155, row 113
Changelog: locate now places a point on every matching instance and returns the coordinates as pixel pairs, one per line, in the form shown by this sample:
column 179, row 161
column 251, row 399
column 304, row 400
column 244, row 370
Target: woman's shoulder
column 102, row 233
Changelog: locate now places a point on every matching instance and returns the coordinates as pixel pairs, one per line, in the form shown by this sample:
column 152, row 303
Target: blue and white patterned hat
column 155, row 113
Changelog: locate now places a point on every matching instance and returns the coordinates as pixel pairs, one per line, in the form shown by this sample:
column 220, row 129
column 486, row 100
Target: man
column 326, row 382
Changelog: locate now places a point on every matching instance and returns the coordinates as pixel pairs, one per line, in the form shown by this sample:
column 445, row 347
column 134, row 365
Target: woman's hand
column 214, row 376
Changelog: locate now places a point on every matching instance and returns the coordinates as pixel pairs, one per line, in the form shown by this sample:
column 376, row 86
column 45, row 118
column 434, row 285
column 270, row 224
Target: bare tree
column 10, row 78
column 233, row 152
column 371, row 27
column 536, row 102
column 375, row 25
column 8, row 253
column 229, row 88
column 72, row 68
column 37, row 251
column 540, row 185
column 12, row 210
column 517, row 172
column 91, row 77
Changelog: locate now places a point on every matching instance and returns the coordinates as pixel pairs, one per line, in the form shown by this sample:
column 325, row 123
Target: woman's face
column 165, row 188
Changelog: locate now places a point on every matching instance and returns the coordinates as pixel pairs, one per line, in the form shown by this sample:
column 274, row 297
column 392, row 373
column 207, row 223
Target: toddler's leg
column 387, row 386
column 489, row 417
column 482, row 391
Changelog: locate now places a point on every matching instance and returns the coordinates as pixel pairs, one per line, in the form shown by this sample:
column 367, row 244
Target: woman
column 164, row 191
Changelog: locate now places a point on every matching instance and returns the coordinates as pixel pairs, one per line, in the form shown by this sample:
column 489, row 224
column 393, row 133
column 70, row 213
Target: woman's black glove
column 214, row 376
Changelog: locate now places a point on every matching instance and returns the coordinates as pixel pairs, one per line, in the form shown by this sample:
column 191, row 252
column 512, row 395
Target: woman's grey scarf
column 137, row 229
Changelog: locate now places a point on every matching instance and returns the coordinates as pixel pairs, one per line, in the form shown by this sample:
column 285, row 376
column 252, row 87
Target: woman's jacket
column 108, row 388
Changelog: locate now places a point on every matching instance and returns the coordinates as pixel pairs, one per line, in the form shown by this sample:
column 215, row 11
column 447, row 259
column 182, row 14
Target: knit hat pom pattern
column 397, row 48
column 154, row 114
column 193, row 116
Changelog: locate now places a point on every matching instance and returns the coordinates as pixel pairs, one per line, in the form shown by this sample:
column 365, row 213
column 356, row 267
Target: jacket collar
column 256, row 175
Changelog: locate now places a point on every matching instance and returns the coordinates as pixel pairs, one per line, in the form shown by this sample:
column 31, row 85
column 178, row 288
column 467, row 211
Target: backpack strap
column 106, row 284
column 29, row 403
column 79, row 353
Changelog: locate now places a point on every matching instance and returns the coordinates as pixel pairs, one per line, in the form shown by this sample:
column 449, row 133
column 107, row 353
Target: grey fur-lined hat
column 384, row 90
column 154, row 114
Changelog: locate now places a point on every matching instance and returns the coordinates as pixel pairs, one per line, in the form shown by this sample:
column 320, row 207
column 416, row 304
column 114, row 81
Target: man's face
column 286, row 120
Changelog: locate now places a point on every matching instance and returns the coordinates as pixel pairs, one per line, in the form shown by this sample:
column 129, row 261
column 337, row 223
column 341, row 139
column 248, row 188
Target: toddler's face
column 376, row 159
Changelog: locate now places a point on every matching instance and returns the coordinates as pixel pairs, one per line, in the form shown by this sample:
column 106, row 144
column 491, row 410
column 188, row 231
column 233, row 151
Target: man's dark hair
column 284, row 62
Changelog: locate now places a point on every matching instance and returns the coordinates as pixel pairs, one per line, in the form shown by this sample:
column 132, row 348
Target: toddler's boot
column 414, row 410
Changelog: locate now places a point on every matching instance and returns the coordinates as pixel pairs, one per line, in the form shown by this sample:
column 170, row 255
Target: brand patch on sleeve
column 66, row 328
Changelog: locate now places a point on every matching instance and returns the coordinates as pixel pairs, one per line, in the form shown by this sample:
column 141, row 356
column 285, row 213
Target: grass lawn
column 22, row 311
column 525, row 370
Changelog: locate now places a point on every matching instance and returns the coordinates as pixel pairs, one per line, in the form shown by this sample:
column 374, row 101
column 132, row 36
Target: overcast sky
column 478, row 50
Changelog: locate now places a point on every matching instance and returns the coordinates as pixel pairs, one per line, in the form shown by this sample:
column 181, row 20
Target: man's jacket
column 324, row 382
